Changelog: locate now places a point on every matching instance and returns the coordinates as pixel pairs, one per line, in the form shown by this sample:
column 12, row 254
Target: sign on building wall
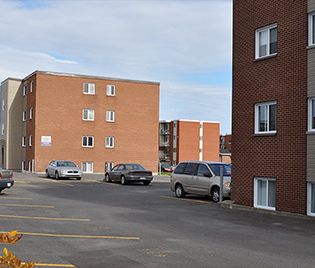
column 45, row 141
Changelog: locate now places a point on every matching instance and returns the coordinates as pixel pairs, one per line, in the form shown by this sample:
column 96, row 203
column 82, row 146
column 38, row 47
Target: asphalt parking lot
column 91, row 223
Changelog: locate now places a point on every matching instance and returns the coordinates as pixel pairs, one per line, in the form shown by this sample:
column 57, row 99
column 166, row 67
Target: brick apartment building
column 95, row 121
column 225, row 148
column 182, row 140
column 273, row 128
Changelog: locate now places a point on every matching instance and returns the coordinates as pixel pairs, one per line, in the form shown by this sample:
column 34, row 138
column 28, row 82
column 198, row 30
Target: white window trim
column 24, row 90
column 3, row 105
column 24, row 116
column 311, row 29
column 109, row 91
column 30, row 141
column 89, row 111
column 108, row 116
column 309, row 117
column 107, row 145
column 89, row 92
column 23, row 141
column 269, row 27
column 257, row 118
column 2, row 129
column 31, row 86
column 88, row 162
column 256, row 193
column 309, row 199
column 31, row 113
column 87, row 146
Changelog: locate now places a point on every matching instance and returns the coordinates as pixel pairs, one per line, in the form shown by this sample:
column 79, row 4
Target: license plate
column 9, row 184
column 142, row 178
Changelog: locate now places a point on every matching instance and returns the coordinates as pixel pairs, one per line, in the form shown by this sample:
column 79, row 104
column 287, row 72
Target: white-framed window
column 31, row 113
column 266, row 117
column 110, row 116
column 24, row 116
column 311, row 114
column 311, row 198
column 2, row 129
column 30, row 141
column 23, row 166
column 23, row 141
column 87, row 167
column 88, row 114
column 110, row 142
column 89, row 88
column 31, row 86
column 266, row 41
column 109, row 166
column 24, row 89
column 88, row 141
column 3, row 105
column 265, row 193
column 110, row 90
column 311, row 29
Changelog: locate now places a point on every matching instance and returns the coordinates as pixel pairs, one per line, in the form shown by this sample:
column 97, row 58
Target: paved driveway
column 90, row 223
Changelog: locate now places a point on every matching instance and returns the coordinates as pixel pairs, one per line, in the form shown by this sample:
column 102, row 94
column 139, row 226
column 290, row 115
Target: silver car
column 201, row 177
column 63, row 169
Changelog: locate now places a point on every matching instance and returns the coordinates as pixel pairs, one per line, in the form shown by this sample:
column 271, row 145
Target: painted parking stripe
column 27, row 206
column 184, row 199
column 43, row 218
column 52, row 265
column 15, row 198
column 83, row 236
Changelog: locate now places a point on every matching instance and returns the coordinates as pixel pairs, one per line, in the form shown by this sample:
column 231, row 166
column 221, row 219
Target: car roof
column 204, row 162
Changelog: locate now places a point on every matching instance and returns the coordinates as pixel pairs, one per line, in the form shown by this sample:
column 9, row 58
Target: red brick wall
column 211, row 141
column 282, row 79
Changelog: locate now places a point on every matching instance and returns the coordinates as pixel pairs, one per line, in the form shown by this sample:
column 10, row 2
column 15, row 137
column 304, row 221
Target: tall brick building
column 273, row 125
column 182, row 140
column 95, row 121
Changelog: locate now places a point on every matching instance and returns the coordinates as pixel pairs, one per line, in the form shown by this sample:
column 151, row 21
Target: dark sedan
column 6, row 180
column 128, row 173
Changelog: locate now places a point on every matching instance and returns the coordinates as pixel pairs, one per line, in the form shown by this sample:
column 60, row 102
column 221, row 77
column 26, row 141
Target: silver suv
column 201, row 177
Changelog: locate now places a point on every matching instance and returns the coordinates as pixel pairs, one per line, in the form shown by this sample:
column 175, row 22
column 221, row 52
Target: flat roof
column 90, row 76
column 11, row 78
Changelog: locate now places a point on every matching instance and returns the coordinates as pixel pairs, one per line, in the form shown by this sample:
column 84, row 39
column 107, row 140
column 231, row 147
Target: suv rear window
column 180, row 168
column 190, row 169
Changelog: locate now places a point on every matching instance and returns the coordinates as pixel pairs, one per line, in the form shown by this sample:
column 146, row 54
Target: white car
column 63, row 169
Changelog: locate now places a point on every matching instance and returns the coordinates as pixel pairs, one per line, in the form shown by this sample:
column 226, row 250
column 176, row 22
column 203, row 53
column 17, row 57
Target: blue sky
column 185, row 45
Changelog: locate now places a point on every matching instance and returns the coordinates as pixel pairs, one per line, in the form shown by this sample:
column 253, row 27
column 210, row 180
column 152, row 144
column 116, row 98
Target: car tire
column 179, row 191
column 146, row 182
column 107, row 178
column 56, row 175
column 215, row 194
column 123, row 180
column 78, row 178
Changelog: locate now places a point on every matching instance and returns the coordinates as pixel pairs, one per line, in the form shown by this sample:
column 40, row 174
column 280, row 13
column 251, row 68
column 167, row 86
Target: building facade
column 95, row 121
column 189, row 140
column 273, row 126
column 226, row 148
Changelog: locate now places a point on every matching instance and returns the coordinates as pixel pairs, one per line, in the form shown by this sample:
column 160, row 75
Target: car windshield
column 165, row 165
column 66, row 164
column 134, row 167
column 216, row 169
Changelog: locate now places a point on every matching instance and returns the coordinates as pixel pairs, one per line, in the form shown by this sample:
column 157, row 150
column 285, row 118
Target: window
column 109, row 166
column 110, row 116
column 24, row 89
column 2, row 129
column 266, row 41
column 87, row 167
column 24, row 116
column 31, row 113
column 311, row 114
column 30, row 141
column 89, row 88
column 110, row 90
column 190, row 169
column 23, row 166
column 3, row 105
column 311, row 29
column 88, row 115
column 109, row 142
column 203, row 171
column 265, row 117
column 31, row 86
column 23, row 141
column 265, row 193
column 87, row 141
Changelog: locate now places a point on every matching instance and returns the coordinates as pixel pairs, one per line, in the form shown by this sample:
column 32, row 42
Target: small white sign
column 45, row 141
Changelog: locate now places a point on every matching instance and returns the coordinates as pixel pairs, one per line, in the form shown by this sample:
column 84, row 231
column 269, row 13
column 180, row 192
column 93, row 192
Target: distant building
column 182, row 140
column 95, row 121
column 225, row 148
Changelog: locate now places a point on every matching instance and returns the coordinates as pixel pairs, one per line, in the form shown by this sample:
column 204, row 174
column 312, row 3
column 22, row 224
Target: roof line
column 11, row 78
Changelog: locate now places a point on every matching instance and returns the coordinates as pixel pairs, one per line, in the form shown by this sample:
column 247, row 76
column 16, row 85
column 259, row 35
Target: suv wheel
column 179, row 191
column 215, row 194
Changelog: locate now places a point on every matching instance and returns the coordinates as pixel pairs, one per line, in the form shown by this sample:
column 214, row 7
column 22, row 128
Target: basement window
column 87, row 167
column 266, row 41
column 265, row 193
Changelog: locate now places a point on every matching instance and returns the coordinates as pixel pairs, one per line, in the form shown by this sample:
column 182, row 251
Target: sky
column 185, row 45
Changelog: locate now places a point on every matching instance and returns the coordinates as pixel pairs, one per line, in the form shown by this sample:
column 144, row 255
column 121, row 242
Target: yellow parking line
column 42, row 218
column 30, row 206
column 16, row 198
column 52, row 265
column 184, row 199
column 83, row 236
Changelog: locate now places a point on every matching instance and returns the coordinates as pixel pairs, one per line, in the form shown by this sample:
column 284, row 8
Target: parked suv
column 201, row 177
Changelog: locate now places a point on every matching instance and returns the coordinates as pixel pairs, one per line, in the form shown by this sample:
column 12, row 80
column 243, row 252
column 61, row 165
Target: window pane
column 272, row 117
column 263, row 43
column 261, row 193
column 84, row 141
column 273, row 40
column 312, row 198
column 271, row 194
column 313, row 114
column 313, row 27
column 85, row 114
column 262, row 111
